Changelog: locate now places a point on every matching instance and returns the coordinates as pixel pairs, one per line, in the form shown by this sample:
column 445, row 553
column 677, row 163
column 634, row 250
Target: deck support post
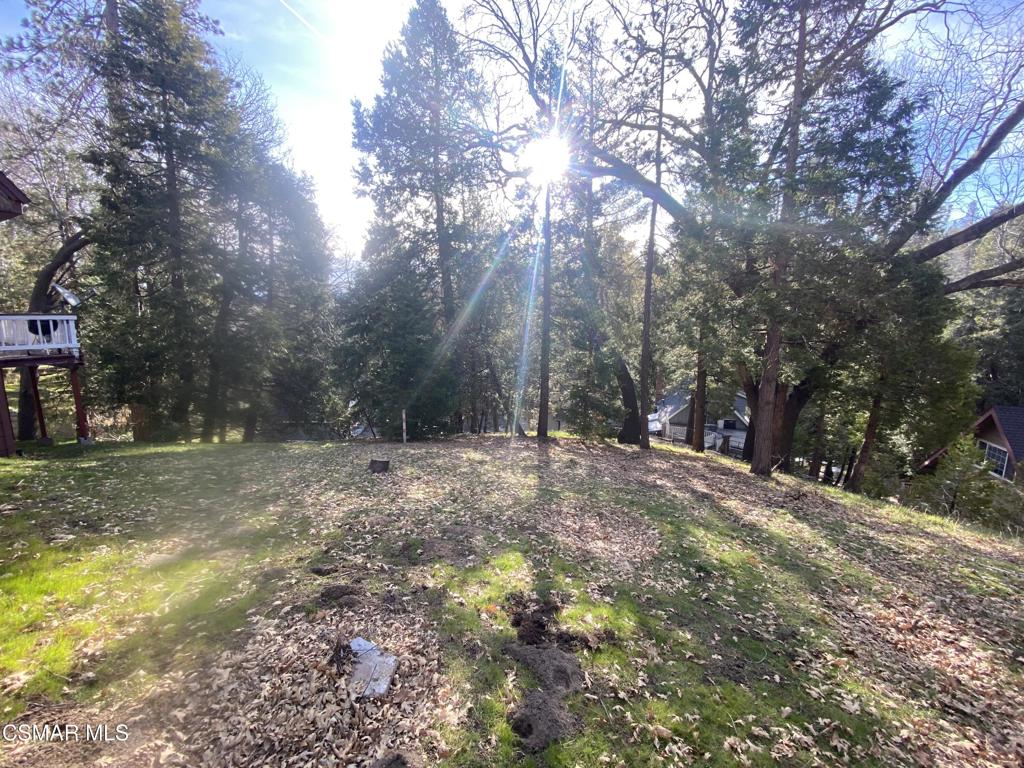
column 7, row 446
column 33, row 376
column 81, row 421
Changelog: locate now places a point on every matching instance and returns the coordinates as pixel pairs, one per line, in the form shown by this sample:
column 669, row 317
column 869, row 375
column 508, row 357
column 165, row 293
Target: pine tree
column 156, row 253
column 420, row 149
column 388, row 359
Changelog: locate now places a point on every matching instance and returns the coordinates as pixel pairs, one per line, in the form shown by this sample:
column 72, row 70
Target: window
column 729, row 424
column 998, row 456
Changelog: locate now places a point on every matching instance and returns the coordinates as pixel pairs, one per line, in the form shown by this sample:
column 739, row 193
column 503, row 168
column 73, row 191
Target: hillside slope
column 594, row 604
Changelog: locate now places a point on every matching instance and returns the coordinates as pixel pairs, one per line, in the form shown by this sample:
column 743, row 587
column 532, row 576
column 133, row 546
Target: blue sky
column 316, row 55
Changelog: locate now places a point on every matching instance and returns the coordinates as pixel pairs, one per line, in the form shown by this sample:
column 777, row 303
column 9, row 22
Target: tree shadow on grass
column 910, row 625
column 703, row 690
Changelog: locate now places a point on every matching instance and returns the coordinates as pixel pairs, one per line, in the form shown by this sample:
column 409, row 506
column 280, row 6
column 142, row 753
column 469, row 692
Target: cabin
column 28, row 341
column 1000, row 435
column 726, row 431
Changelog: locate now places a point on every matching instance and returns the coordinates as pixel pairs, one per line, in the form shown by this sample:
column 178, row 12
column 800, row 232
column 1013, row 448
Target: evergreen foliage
column 808, row 245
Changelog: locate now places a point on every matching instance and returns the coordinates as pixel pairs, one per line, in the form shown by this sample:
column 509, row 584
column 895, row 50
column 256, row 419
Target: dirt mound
column 459, row 545
column 340, row 594
column 557, row 671
column 541, row 719
column 398, row 760
column 535, row 623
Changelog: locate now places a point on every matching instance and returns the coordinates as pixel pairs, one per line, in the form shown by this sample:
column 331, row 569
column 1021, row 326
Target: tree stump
column 379, row 466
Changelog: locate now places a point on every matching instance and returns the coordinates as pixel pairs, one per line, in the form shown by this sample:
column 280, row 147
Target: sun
column 546, row 159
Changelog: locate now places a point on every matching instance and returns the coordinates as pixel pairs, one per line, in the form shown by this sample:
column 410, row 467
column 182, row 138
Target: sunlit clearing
column 546, row 159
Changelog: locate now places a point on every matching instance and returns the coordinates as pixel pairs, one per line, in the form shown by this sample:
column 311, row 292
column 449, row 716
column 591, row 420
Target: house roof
column 1010, row 420
column 11, row 198
column 672, row 404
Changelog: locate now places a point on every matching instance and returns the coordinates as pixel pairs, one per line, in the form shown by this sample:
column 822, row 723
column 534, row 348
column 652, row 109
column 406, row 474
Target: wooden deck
column 28, row 341
column 32, row 340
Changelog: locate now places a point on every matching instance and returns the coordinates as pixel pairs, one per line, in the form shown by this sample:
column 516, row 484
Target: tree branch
column 933, row 201
column 983, row 275
column 616, row 168
column 968, row 234
column 1006, row 282
column 38, row 300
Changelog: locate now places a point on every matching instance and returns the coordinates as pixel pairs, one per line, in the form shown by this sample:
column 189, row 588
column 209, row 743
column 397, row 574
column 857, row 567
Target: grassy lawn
column 718, row 619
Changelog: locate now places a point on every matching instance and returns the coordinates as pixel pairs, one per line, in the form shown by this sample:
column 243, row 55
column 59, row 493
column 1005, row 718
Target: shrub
column 962, row 488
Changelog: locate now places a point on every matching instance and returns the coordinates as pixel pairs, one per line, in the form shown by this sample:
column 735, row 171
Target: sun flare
column 546, row 159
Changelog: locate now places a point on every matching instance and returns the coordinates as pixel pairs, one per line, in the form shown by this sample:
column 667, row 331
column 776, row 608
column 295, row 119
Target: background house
column 672, row 417
column 1000, row 434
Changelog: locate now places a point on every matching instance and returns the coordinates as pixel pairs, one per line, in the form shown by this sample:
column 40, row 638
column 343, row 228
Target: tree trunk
column 645, row 335
column 689, row 420
column 781, row 390
column 748, row 442
column 506, row 404
column 271, row 266
column 445, row 251
column 631, row 424
column 847, row 467
column 444, row 261
column 798, row 398
column 444, row 239
column 631, row 432
column 212, row 407
column 545, row 328
column 751, row 390
column 39, row 302
column 182, row 402
column 252, row 417
column 26, row 407
column 699, row 399
column 817, row 454
column 474, row 393
column 830, row 475
column 838, row 481
column 761, row 463
column 646, row 355
column 141, row 422
column 855, row 479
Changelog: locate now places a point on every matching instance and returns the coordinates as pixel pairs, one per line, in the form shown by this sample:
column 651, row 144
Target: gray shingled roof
column 1011, row 419
column 10, row 190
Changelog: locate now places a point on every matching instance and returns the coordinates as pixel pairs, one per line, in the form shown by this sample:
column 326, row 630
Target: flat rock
column 559, row 672
column 541, row 719
column 372, row 669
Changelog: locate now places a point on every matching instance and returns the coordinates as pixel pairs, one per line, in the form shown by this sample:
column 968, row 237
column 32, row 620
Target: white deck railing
column 38, row 335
